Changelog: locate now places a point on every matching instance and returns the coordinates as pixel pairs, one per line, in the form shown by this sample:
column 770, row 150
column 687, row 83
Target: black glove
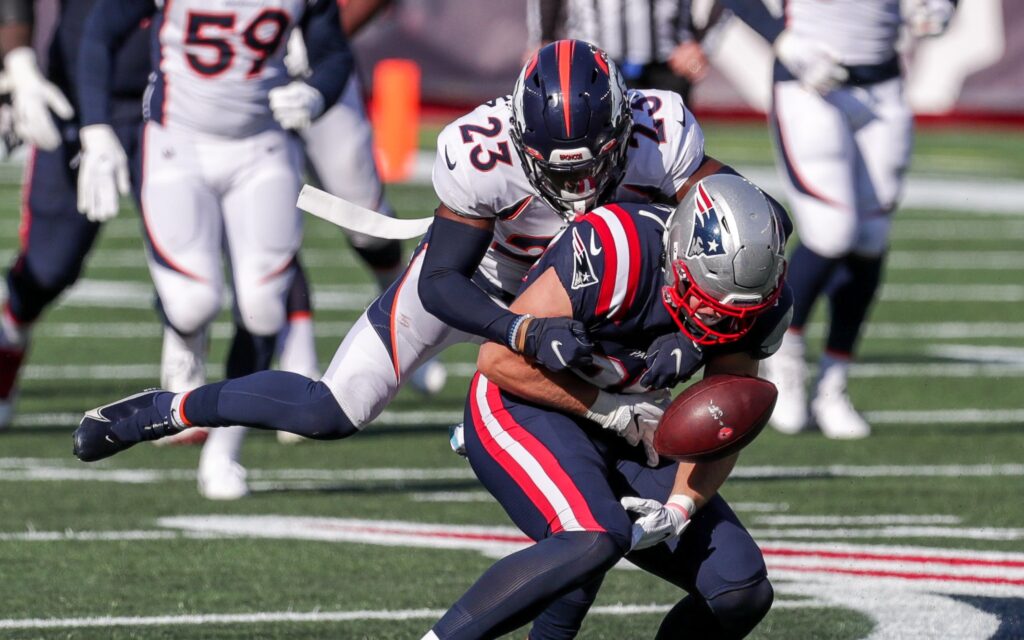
column 671, row 359
column 558, row 343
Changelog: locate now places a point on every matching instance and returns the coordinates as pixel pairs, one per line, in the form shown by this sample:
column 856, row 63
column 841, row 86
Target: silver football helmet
column 724, row 259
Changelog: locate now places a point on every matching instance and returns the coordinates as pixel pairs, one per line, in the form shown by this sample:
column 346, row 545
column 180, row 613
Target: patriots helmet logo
column 707, row 228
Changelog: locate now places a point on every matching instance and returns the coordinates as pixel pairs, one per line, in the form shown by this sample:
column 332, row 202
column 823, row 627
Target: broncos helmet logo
column 707, row 228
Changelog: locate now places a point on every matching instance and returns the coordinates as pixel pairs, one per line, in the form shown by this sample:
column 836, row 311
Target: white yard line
column 324, row 616
column 953, row 293
column 956, row 260
column 893, row 518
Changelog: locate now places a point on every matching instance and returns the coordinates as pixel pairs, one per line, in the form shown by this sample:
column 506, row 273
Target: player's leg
column 715, row 561
column 378, row 354
column 296, row 343
column 552, row 481
column 339, row 147
column 883, row 146
column 55, row 239
column 814, row 147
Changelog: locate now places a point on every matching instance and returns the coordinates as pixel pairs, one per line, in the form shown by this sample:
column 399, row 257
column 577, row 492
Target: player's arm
column 695, row 483
column 297, row 104
column 633, row 416
column 33, row 97
column 356, row 13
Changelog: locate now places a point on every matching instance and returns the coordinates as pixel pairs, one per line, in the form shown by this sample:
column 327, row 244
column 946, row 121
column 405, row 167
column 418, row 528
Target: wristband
column 512, row 338
column 682, row 502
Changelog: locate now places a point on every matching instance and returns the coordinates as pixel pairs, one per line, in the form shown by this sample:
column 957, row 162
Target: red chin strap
column 736, row 320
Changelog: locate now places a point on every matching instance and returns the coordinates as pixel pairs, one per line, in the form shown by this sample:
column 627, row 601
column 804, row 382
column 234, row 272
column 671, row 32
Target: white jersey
column 477, row 174
column 861, row 32
column 218, row 59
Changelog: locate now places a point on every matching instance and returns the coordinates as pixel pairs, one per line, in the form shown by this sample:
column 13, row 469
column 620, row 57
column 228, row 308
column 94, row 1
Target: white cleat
column 430, row 378
column 787, row 370
column 222, row 481
column 287, row 437
column 183, row 368
column 831, row 407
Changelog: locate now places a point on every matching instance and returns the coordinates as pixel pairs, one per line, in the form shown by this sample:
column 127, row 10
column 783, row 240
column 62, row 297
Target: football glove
column 813, row 63
column 34, row 97
column 672, row 359
column 102, row 173
column 634, row 417
column 296, row 105
column 658, row 522
column 555, row 343
column 926, row 18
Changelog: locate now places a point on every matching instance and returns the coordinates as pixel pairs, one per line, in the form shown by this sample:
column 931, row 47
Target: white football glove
column 102, row 173
column 635, row 417
column 296, row 105
column 658, row 522
column 296, row 58
column 926, row 18
column 34, row 97
column 813, row 63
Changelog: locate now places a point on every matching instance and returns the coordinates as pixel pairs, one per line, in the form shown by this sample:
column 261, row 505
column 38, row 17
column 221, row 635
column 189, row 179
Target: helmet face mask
column 571, row 124
column 725, row 262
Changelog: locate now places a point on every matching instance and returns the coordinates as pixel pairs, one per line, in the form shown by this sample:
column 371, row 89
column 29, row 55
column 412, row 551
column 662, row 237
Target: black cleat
column 113, row 428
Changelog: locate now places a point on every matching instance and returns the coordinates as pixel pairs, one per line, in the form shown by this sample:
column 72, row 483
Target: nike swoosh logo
column 594, row 249
column 448, row 161
column 678, row 353
column 108, row 439
column 96, row 415
column 555, row 346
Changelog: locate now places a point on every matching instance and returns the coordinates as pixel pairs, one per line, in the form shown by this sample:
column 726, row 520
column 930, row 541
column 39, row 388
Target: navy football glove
column 672, row 359
column 558, row 343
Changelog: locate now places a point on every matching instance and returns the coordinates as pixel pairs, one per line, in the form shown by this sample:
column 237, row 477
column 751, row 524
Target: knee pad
column 192, row 307
column 740, row 610
column 261, row 308
column 873, row 237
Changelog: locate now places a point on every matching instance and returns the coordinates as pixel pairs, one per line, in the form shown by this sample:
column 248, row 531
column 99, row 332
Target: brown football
column 715, row 417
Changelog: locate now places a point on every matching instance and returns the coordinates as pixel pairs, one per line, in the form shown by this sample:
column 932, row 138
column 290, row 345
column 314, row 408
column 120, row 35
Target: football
column 715, row 417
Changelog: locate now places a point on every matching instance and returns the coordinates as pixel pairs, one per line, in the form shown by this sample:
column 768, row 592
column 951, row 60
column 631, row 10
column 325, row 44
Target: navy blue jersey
column 611, row 263
column 131, row 61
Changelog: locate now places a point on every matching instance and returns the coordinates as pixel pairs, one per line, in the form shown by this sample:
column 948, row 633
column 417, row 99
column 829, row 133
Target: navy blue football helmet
column 571, row 123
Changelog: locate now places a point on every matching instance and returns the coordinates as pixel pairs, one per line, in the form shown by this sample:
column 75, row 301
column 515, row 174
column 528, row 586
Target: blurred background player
column 843, row 136
column 55, row 237
column 654, row 42
column 219, row 169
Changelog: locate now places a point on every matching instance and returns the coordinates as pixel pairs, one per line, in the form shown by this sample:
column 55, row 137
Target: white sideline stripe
column 439, row 417
column 327, row 616
column 958, row 260
column 225, row 330
column 896, row 518
column 951, row 292
column 957, row 533
column 61, row 469
column 136, row 330
column 215, row 371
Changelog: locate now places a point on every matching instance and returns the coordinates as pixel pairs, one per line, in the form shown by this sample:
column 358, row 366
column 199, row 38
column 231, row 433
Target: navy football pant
column 55, row 237
column 560, row 480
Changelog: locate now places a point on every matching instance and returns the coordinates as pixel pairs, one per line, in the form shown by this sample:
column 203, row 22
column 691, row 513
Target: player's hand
column 296, row 58
column 814, row 63
column 926, row 18
column 658, row 522
column 556, row 343
column 33, row 98
column 296, row 105
column 634, row 417
column 102, row 173
column 688, row 61
column 672, row 359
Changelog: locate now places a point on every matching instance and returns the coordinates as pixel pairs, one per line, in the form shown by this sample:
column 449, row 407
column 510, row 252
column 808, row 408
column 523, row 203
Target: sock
column 807, row 275
column 296, row 346
column 851, row 292
column 519, row 586
column 276, row 400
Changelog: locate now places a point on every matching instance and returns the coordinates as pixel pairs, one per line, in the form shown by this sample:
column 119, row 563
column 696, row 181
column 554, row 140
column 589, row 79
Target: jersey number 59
column 213, row 30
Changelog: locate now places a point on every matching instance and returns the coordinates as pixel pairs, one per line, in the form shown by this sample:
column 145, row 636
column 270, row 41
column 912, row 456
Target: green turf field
column 917, row 532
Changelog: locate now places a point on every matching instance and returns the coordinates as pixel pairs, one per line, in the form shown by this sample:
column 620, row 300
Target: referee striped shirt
column 633, row 31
